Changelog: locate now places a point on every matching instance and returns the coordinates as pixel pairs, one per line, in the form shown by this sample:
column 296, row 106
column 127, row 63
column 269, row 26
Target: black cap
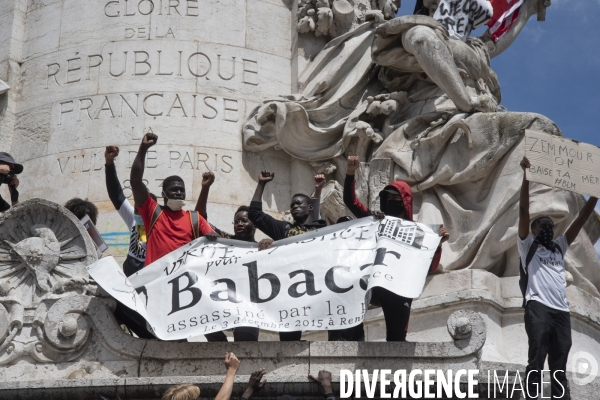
column 9, row 159
column 389, row 190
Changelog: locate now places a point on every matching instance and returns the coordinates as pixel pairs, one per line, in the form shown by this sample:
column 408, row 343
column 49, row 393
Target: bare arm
column 232, row 364
column 583, row 216
column 254, row 384
column 207, row 180
column 140, row 192
column 263, row 178
column 524, row 202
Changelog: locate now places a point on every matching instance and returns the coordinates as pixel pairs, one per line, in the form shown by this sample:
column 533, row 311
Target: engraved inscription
column 130, row 8
column 140, row 62
column 157, row 104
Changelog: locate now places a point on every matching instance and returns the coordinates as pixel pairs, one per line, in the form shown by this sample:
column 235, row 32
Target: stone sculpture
column 417, row 106
column 332, row 18
column 44, row 251
column 3, row 87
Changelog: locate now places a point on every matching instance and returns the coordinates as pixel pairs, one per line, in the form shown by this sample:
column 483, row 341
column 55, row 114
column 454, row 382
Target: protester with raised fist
column 136, row 255
column 243, row 230
column 300, row 208
column 9, row 169
column 544, row 287
column 395, row 201
column 168, row 227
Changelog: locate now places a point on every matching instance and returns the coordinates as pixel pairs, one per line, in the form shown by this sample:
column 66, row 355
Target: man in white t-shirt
column 547, row 317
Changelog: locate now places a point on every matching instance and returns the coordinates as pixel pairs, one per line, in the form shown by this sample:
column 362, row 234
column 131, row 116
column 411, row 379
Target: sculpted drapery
column 368, row 94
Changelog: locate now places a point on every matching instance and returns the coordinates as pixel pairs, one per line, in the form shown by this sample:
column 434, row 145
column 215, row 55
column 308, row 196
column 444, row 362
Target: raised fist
column 319, row 181
column 444, row 234
column 149, row 140
column 207, row 179
column 110, row 153
column 352, row 165
column 266, row 176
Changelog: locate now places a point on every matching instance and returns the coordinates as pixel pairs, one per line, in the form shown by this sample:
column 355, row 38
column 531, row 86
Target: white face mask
column 174, row 204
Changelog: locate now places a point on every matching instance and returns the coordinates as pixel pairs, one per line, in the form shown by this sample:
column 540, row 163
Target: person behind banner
column 547, row 317
column 80, row 208
column 395, row 201
column 187, row 391
column 168, row 227
column 243, row 230
column 354, row 333
column 301, row 208
column 136, row 255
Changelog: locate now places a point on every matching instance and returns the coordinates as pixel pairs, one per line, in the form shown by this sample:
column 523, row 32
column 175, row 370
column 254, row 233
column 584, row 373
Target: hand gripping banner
column 314, row 281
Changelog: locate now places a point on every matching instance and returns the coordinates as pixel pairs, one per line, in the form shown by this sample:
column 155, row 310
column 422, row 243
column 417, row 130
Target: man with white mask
column 168, row 227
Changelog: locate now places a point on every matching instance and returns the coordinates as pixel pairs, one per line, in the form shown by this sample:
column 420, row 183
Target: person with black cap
column 547, row 317
column 395, row 201
column 168, row 227
column 9, row 169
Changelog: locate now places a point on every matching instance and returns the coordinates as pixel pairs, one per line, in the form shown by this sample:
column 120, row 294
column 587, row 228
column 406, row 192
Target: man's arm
column 324, row 379
column 264, row 222
column 113, row 186
column 14, row 193
column 140, row 192
column 435, row 262
column 315, row 200
column 232, row 364
column 207, row 180
column 354, row 205
column 583, row 216
column 524, row 202
column 254, row 384
column 263, row 178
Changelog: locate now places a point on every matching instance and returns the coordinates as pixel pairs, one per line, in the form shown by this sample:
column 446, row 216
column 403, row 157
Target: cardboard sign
column 563, row 163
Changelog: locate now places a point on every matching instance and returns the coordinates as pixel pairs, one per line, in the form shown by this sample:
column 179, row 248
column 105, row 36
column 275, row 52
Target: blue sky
column 553, row 68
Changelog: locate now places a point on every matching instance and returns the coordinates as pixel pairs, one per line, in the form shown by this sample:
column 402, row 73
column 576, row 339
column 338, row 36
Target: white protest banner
column 563, row 163
column 314, row 281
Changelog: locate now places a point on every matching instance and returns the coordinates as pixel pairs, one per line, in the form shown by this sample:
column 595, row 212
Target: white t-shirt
column 460, row 17
column 137, row 248
column 547, row 283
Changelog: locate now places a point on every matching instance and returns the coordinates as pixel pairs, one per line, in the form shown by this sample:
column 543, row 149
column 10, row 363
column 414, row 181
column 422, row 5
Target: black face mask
column 393, row 208
column 545, row 238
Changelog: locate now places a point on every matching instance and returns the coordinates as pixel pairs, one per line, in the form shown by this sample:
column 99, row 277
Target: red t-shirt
column 171, row 230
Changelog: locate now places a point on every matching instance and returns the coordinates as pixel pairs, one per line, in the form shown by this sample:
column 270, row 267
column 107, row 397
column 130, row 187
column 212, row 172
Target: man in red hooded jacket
column 395, row 201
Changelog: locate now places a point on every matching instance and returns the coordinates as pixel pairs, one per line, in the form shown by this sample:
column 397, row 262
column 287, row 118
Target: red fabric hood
column 407, row 196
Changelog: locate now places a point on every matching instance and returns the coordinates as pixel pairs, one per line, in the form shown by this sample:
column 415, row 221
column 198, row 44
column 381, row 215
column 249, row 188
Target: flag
column 506, row 13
